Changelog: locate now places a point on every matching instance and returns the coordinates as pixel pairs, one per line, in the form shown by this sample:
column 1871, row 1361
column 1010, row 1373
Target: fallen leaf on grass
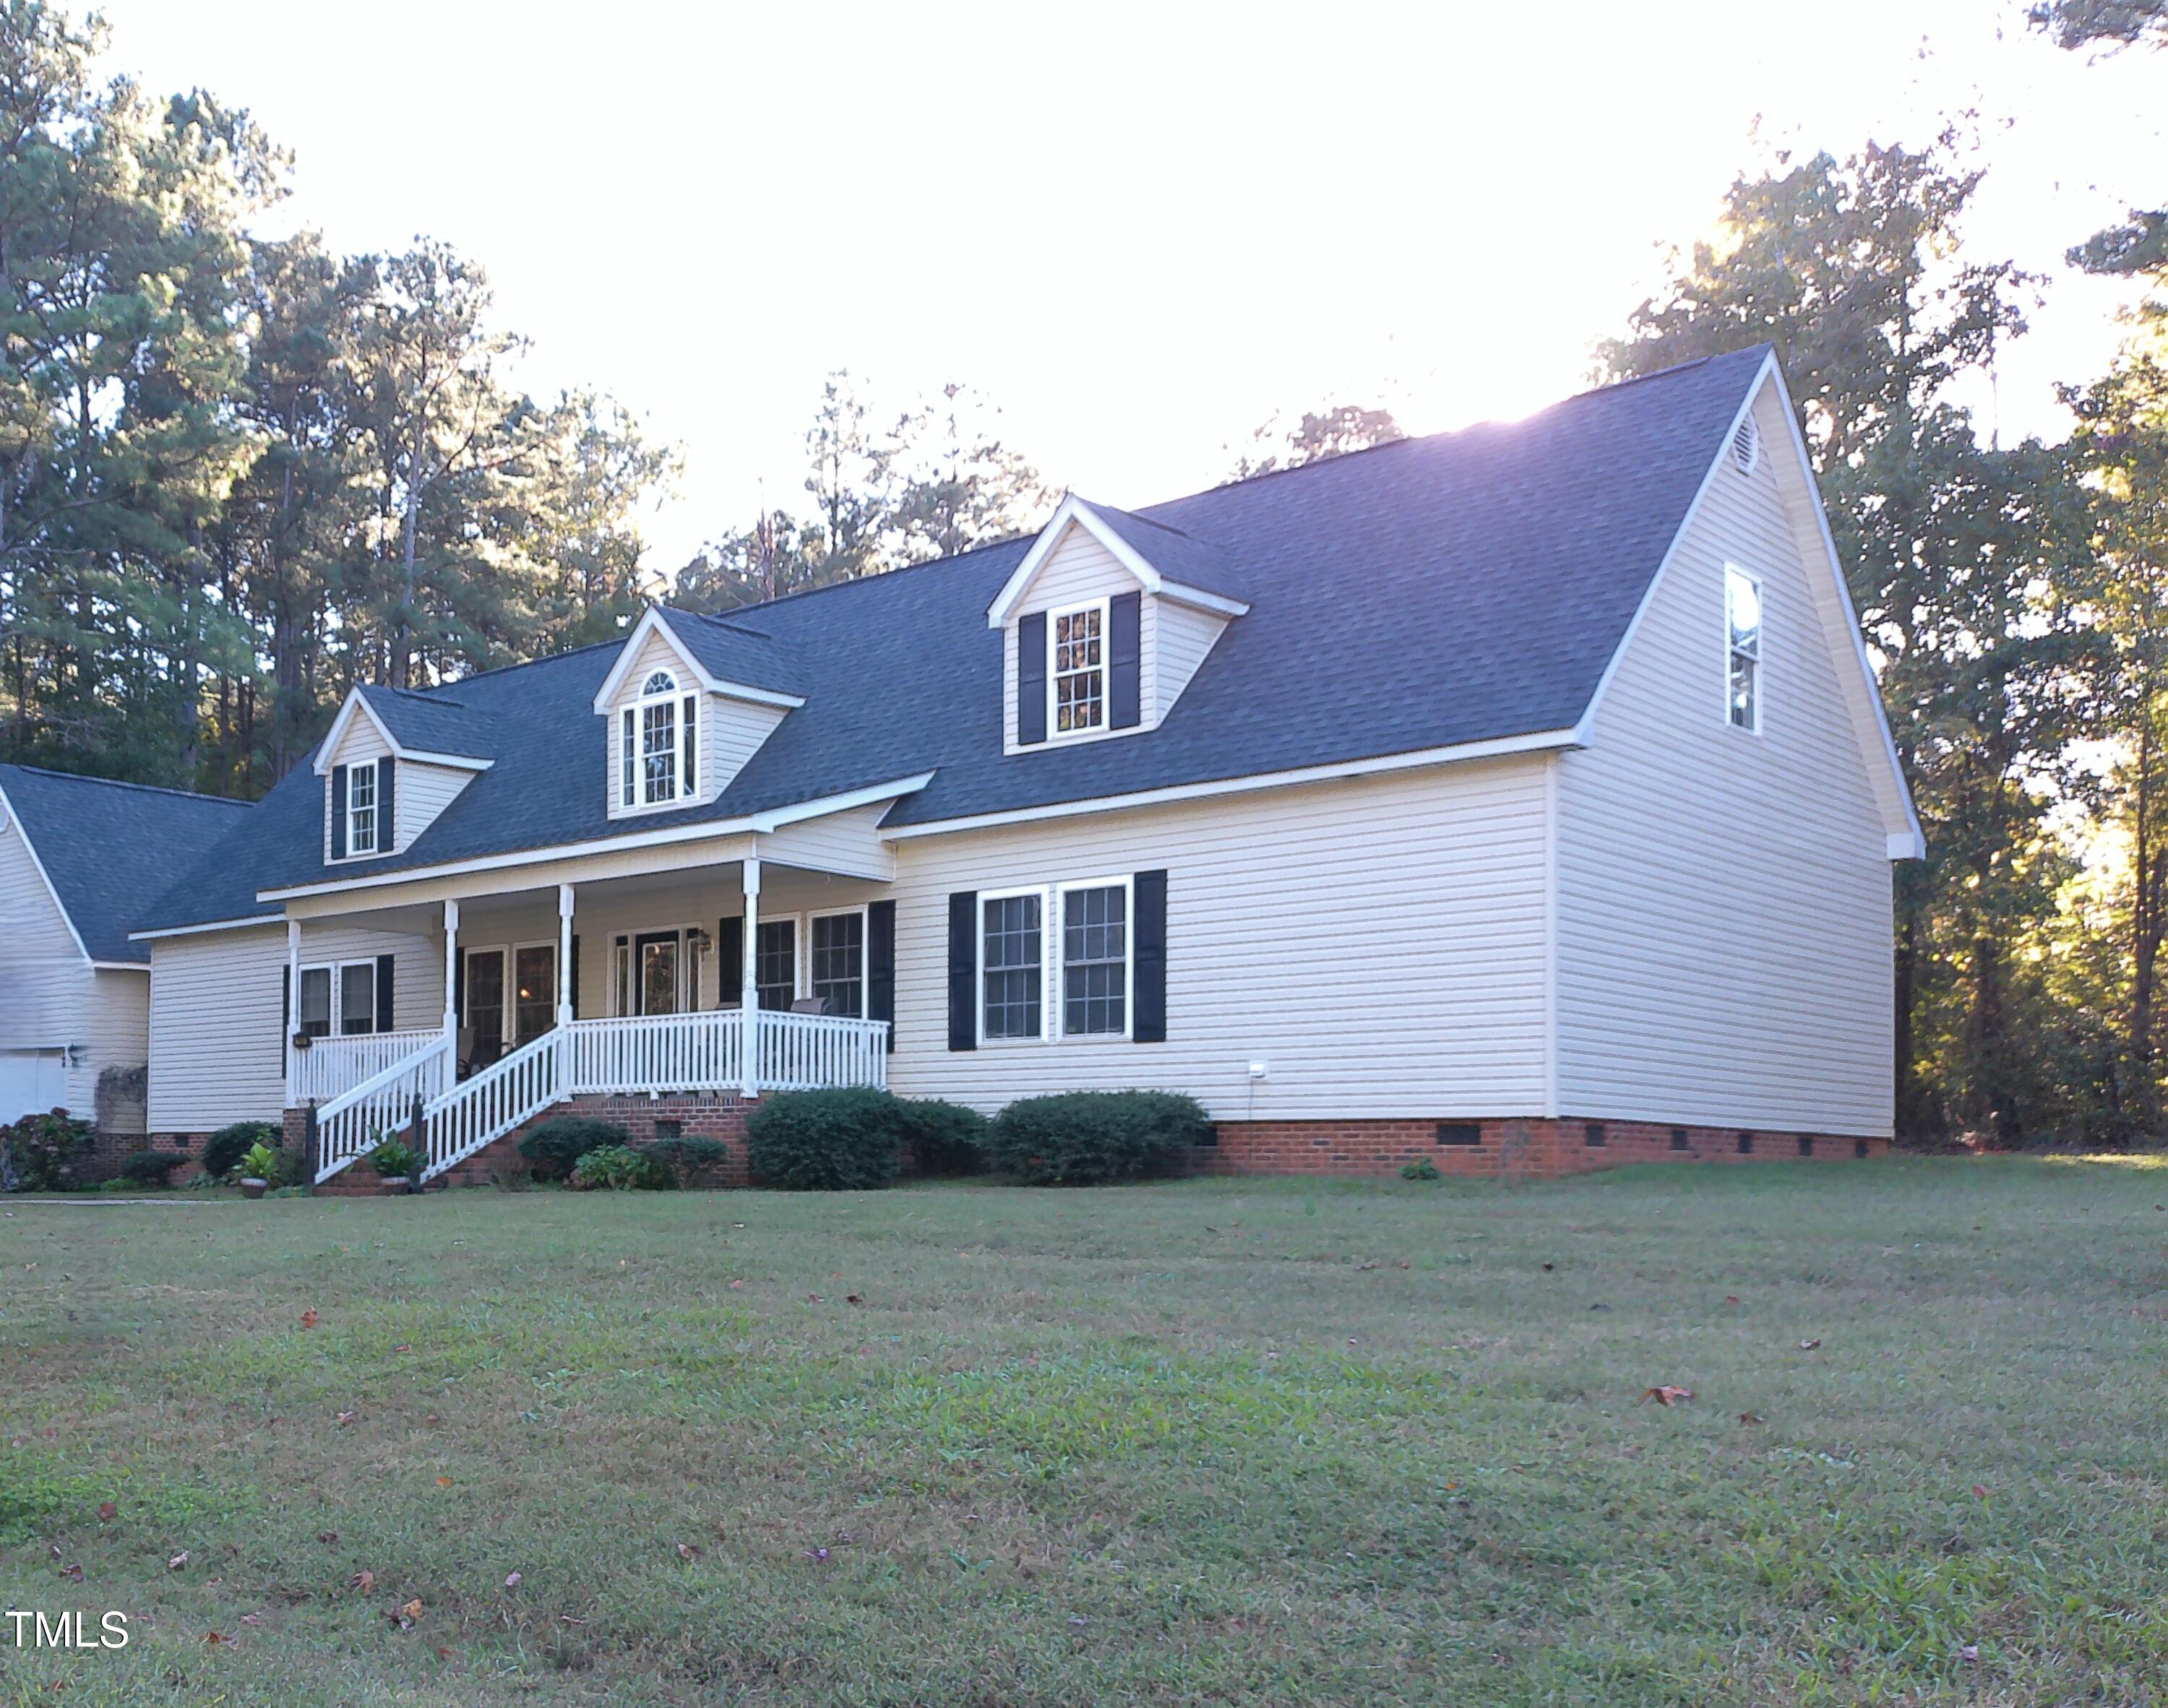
column 1550, row 1265
column 1752, row 1417
column 404, row 1616
column 512, row 1581
column 214, row 1637
column 1978, row 1492
column 106, row 1512
column 686, row 1550
column 346, row 1417
column 431, row 1418
column 443, row 1483
column 1665, row 1395
column 735, row 1285
column 816, row 1554
column 853, row 1299
column 250, row 1618
column 363, row 1580
column 177, row 1560
column 1970, row 1652
column 403, row 1346
column 309, row 1317
column 812, row 1298
column 1732, row 1298
column 327, row 1536
column 1809, row 1346
column 72, row 1573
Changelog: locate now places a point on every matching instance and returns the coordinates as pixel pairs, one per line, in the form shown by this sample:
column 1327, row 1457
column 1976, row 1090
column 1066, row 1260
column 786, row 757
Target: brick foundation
column 716, row 1116
column 1537, row 1149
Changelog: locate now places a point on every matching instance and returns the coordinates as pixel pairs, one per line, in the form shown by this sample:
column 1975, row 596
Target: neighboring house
column 80, row 858
column 1518, row 797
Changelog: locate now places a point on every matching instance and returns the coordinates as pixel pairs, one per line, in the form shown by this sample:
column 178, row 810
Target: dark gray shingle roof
column 435, row 722
column 112, row 848
column 1437, row 591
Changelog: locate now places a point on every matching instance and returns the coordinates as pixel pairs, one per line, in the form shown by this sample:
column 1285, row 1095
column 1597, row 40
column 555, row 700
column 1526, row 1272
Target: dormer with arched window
column 678, row 732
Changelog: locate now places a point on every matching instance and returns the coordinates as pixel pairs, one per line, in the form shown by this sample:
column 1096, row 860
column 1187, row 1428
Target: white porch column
column 564, row 954
column 293, row 1001
column 749, row 997
column 451, row 1072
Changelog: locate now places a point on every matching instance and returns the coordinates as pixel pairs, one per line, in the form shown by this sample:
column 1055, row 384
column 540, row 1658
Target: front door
column 485, row 993
column 654, row 980
column 534, row 981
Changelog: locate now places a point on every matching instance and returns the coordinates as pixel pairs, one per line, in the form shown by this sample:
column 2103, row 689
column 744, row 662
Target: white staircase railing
column 652, row 1054
column 380, row 1107
column 331, row 1067
column 482, row 1109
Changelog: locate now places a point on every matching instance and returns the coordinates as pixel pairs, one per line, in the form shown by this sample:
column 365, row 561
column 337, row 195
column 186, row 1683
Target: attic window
column 1747, row 445
column 658, row 745
column 1078, row 676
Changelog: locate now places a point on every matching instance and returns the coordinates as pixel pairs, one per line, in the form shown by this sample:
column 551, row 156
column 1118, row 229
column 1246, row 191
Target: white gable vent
column 1747, row 445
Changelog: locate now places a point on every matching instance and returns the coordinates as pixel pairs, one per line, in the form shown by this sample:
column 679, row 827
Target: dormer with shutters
column 1103, row 623
column 391, row 762
column 676, row 729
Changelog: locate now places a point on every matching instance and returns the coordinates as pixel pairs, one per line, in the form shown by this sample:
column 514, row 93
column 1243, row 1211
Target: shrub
column 1422, row 1168
column 943, row 1138
column 840, row 1141
column 151, row 1167
column 259, row 1162
column 224, row 1149
column 556, row 1145
column 393, row 1158
column 48, row 1153
column 1084, row 1138
column 689, row 1161
column 617, row 1168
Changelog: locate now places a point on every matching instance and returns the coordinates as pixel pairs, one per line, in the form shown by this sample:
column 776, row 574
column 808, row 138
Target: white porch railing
column 699, row 1051
column 331, row 1067
column 381, row 1106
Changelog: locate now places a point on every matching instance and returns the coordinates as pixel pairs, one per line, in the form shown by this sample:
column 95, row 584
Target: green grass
column 1214, row 1442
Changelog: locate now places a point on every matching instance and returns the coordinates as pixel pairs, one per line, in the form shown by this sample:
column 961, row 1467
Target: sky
column 1140, row 230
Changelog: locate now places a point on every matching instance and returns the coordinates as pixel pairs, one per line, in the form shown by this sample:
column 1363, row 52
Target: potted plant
column 259, row 1166
column 394, row 1163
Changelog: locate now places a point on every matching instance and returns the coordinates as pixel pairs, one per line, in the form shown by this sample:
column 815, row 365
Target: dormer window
column 1078, row 672
column 361, row 813
column 659, row 737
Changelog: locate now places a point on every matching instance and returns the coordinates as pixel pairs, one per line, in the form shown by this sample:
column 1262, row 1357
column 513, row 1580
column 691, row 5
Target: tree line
column 238, row 476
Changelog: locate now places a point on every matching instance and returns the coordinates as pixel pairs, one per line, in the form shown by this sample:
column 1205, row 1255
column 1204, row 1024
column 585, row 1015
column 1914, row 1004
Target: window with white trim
column 775, row 963
column 1095, row 959
column 658, row 745
column 361, row 814
column 1742, row 625
column 338, row 998
column 312, row 1014
column 1012, row 966
column 838, row 948
column 1077, row 673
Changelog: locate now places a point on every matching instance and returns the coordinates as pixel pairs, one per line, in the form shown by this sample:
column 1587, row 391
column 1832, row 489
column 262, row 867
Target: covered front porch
column 738, row 976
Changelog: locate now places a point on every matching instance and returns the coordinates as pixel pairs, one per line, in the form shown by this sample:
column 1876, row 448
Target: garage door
column 31, row 1082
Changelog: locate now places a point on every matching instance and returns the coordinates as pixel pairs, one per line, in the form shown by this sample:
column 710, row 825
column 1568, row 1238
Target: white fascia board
column 1907, row 843
column 1180, row 593
column 452, row 762
column 1071, row 509
column 712, row 830
column 9, row 816
column 122, row 967
column 337, row 734
column 1497, row 747
column 653, row 620
column 198, row 930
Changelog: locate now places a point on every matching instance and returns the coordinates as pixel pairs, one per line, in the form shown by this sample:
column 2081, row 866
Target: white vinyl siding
column 1379, row 943
column 216, row 1044
column 1725, row 902
column 728, row 733
column 1185, row 636
column 420, row 794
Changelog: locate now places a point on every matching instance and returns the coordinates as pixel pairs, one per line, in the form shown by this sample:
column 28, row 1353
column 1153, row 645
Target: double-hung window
column 1077, row 677
column 361, row 813
column 1056, row 961
column 838, row 945
column 339, row 999
column 775, row 963
column 658, row 739
column 1742, row 626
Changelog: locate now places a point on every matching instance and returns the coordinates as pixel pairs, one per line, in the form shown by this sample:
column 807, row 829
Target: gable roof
column 1465, row 590
column 108, row 849
column 727, row 655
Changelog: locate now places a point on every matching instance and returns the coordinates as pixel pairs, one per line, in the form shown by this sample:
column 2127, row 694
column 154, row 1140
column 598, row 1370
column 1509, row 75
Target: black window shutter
column 1125, row 660
column 730, row 962
column 387, row 770
column 880, row 965
column 384, row 963
column 1148, row 1020
column 1031, row 682
column 339, row 812
column 964, row 963
column 459, row 986
column 285, row 1006
column 575, row 985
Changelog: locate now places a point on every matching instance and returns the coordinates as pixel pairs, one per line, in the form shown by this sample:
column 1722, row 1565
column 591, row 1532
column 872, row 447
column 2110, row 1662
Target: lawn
column 1219, row 1441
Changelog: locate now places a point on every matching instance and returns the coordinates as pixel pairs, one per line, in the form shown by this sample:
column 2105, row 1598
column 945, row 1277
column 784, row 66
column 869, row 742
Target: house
column 1519, row 798
column 80, row 860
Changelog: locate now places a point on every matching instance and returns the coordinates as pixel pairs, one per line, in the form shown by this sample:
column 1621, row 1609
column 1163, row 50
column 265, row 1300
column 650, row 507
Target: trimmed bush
column 689, row 1161
column 616, row 1168
column 842, row 1141
column 151, row 1167
column 224, row 1149
column 556, row 1145
column 1086, row 1138
column 49, row 1153
column 943, row 1138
